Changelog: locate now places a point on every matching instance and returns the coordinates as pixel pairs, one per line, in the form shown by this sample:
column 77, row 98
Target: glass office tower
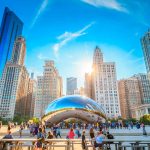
column 11, row 27
column 145, row 40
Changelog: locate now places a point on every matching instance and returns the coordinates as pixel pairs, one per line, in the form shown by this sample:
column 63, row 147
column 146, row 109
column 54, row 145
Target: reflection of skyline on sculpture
column 73, row 102
column 74, row 106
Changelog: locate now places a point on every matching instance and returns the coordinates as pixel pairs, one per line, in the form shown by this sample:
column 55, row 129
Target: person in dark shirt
column 83, row 141
column 54, row 130
column 7, row 136
column 92, row 133
column 109, row 136
column 40, row 139
column 49, row 136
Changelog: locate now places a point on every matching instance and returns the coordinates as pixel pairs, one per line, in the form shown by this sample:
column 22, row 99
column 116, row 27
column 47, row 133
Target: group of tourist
column 97, row 133
column 55, row 131
column 106, row 125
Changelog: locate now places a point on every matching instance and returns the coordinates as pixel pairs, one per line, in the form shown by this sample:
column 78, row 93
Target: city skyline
column 113, row 26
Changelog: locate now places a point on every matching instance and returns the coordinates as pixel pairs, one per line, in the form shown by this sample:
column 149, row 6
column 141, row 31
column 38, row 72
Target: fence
column 67, row 144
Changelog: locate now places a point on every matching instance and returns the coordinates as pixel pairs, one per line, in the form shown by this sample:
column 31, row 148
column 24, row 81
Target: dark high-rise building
column 146, row 49
column 11, row 27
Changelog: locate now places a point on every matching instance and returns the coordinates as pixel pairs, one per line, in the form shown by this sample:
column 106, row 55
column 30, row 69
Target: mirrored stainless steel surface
column 74, row 106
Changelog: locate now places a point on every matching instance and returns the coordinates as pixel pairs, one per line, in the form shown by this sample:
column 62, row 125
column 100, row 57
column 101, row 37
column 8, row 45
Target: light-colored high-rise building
column 71, row 85
column 145, row 41
column 49, row 88
column 38, row 108
column 129, row 95
column 14, row 83
column 104, row 84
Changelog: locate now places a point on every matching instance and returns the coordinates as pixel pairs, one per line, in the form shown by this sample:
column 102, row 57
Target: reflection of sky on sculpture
column 74, row 101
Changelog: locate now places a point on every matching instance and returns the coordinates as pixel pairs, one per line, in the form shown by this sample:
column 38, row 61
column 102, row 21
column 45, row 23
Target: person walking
column 144, row 131
column 92, row 136
column 20, row 130
column 71, row 134
column 92, row 133
column 54, row 130
column 58, row 132
column 83, row 141
column 40, row 140
column 77, row 132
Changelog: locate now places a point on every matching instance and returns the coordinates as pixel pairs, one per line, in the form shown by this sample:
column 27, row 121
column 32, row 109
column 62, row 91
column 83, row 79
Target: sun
column 87, row 67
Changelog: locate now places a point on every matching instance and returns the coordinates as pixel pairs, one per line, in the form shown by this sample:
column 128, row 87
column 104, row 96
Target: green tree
column 20, row 119
column 145, row 119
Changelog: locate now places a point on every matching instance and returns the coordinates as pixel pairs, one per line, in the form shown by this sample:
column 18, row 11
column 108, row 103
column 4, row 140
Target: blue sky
column 67, row 31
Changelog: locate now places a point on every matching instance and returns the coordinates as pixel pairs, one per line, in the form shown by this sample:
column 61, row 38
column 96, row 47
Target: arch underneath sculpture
column 61, row 115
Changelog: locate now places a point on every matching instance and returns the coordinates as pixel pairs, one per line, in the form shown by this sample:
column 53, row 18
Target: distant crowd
column 96, row 132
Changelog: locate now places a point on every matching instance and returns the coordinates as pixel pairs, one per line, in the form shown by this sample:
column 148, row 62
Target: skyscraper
column 14, row 83
column 11, row 27
column 88, row 85
column 30, row 102
column 129, row 95
column 49, row 87
column 144, row 84
column 145, row 41
column 104, row 84
column 134, row 94
column 71, row 85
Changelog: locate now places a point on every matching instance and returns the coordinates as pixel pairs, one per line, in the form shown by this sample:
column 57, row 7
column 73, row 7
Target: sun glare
column 87, row 68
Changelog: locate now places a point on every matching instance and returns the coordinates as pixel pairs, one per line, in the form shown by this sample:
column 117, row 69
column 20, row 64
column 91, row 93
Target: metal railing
column 69, row 144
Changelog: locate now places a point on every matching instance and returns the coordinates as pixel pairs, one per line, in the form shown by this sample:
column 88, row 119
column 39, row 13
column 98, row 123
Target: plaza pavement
column 115, row 132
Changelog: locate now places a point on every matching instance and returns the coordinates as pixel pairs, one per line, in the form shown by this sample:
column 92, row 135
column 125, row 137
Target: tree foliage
column 145, row 119
column 20, row 119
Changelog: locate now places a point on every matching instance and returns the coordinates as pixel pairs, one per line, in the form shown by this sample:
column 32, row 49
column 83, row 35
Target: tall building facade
column 30, row 102
column 49, row 88
column 144, row 84
column 11, row 28
column 129, row 95
column 145, row 41
column 104, row 84
column 134, row 94
column 71, row 85
column 14, row 83
column 88, row 85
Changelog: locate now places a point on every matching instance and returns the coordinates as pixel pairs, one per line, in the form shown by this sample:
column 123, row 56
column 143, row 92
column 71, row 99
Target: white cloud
column 41, row 56
column 68, row 36
column 131, row 52
column 42, row 8
column 111, row 4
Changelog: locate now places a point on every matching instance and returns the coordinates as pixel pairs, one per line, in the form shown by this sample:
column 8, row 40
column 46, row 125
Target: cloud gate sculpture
column 74, row 106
